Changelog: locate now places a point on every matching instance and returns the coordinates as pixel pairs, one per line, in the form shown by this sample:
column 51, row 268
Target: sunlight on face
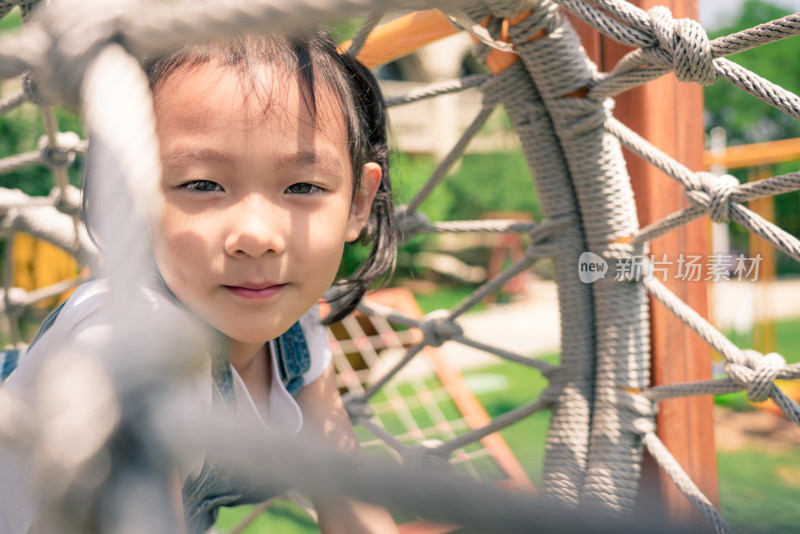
column 257, row 204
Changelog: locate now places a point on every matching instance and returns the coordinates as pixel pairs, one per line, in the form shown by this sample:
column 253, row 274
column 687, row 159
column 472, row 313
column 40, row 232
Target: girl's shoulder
column 84, row 321
column 85, row 317
column 94, row 297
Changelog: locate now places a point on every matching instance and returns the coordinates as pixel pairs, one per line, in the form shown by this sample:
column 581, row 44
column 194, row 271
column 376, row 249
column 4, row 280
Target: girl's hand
column 324, row 415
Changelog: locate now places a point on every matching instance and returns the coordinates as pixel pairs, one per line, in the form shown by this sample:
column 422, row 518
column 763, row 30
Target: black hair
column 316, row 61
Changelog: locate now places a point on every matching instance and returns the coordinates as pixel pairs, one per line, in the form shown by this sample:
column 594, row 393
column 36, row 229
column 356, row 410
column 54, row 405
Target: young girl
column 274, row 156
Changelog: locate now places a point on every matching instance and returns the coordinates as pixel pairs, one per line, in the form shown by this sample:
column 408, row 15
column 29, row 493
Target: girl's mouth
column 254, row 291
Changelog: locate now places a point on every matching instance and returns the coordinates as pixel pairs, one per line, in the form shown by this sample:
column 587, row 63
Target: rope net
column 603, row 408
column 415, row 412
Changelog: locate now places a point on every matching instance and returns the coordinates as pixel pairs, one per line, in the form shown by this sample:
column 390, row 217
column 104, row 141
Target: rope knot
column 69, row 204
column 61, row 155
column 410, row 224
column 637, row 412
column 683, row 45
column 357, row 408
column 437, row 327
column 713, row 193
column 757, row 374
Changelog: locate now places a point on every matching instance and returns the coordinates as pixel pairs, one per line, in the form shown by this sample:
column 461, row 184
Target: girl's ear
column 361, row 207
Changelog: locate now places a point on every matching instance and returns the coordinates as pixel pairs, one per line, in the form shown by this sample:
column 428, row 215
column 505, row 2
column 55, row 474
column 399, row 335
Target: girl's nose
column 256, row 228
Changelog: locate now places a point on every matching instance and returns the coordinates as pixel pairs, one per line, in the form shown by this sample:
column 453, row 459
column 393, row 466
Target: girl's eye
column 202, row 186
column 303, row 188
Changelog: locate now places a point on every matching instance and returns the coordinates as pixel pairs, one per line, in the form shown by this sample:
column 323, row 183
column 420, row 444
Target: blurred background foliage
column 21, row 128
column 748, row 120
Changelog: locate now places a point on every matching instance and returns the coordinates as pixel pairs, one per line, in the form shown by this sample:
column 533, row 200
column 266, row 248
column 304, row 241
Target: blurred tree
column 746, row 119
column 21, row 129
column 481, row 183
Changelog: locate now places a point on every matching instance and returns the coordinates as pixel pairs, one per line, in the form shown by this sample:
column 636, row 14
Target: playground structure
column 604, row 392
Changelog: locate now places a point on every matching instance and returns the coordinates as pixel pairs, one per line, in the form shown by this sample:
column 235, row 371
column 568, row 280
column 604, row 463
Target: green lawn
column 282, row 517
column 445, row 298
column 12, row 21
column 788, row 339
column 527, row 437
column 760, row 491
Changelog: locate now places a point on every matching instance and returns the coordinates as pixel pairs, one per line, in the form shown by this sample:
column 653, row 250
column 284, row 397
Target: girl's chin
column 252, row 336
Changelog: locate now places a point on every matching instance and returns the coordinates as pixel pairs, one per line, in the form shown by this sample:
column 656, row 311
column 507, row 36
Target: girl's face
column 258, row 205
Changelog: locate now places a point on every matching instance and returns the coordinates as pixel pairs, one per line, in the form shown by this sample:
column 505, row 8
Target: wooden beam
column 403, row 36
column 769, row 153
column 665, row 113
column 764, row 327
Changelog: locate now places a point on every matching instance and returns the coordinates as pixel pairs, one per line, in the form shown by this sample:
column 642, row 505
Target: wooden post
column 765, row 338
column 669, row 114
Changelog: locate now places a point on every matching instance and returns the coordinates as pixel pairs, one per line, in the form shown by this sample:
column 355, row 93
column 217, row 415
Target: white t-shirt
column 83, row 322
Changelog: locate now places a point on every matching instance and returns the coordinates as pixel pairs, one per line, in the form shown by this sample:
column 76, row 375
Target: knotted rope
column 410, row 223
column 713, row 194
column 62, row 155
column 683, row 45
column 756, row 373
column 438, row 327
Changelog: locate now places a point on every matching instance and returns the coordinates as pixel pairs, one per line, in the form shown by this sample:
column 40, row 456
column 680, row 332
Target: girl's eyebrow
column 182, row 155
column 322, row 160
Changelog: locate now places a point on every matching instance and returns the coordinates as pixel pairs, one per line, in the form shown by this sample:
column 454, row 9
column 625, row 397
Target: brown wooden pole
column 764, row 328
column 669, row 114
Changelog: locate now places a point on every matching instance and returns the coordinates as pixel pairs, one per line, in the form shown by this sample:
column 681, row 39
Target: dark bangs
column 312, row 59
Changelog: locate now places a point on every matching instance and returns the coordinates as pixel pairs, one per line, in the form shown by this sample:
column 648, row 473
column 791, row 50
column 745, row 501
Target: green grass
column 12, row 21
column 445, row 298
column 760, row 491
column 787, row 333
column 284, row 517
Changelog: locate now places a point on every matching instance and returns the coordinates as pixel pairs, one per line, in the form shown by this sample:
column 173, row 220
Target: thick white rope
column 598, row 176
column 11, row 102
column 567, row 445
